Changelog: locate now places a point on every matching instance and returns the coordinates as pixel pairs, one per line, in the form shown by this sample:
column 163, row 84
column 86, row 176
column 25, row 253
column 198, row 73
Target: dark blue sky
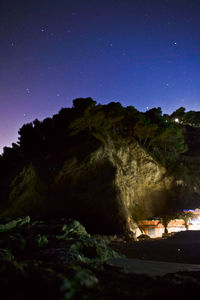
column 144, row 53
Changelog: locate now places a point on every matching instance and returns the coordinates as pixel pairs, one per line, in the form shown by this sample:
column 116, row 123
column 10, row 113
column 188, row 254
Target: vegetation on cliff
column 43, row 140
column 157, row 133
column 53, row 167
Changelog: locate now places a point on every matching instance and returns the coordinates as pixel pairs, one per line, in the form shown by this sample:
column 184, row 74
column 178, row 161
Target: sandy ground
column 183, row 247
column 150, row 267
column 180, row 252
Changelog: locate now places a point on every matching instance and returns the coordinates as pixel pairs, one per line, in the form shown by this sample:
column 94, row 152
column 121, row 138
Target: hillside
column 104, row 165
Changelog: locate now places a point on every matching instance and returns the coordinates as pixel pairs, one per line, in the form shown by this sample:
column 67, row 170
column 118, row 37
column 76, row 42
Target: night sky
column 144, row 53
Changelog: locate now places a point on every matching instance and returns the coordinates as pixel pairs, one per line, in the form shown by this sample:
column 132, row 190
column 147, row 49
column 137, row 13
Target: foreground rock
column 60, row 260
column 54, row 259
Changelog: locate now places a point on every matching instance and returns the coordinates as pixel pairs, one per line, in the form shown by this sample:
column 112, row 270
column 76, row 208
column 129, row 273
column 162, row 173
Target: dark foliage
column 163, row 139
column 78, row 131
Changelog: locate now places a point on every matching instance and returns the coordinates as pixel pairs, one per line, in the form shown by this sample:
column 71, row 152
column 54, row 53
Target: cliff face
column 107, row 189
column 93, row 163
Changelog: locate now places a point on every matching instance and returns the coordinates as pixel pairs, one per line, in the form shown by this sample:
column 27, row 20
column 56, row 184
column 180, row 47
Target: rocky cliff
column 106, row 166
column 107, row 189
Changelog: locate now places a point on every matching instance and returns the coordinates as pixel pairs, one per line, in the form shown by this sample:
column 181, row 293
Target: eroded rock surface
column 106, row 188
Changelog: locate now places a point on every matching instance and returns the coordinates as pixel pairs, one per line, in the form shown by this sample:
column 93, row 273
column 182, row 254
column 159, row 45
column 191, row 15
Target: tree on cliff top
column 162, row 139
column 179, row 114
column 81, row 104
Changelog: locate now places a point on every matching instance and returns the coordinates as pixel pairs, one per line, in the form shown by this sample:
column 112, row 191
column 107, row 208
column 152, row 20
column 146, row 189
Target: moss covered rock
column 73, row 230
column 12, row 224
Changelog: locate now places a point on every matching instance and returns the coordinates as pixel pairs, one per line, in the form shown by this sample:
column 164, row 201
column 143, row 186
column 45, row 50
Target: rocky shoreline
column 58, row 259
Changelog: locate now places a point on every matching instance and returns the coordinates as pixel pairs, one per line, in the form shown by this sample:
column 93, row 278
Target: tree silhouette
column 155, row 133
column 178, row 114
column 81, row 104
